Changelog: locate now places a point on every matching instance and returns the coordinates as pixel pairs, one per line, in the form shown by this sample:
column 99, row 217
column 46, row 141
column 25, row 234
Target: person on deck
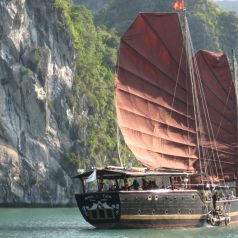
column 214, row 200
column 135, row 185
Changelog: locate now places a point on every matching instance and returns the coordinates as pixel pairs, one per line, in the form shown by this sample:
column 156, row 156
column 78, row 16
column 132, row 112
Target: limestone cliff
column 36, row 73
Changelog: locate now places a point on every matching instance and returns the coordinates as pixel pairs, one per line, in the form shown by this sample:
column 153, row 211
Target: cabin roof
column 120, row 173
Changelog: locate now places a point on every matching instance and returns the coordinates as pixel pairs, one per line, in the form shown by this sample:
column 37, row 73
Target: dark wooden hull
column 155, row 208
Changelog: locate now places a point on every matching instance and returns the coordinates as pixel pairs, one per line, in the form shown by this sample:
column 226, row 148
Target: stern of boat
column 100, row 209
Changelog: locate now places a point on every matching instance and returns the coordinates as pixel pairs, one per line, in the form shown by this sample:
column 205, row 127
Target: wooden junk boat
column 177, row 112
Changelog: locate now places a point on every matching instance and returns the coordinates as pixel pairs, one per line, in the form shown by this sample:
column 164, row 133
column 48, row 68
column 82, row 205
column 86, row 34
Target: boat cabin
column 120, row 197
column 139, row 179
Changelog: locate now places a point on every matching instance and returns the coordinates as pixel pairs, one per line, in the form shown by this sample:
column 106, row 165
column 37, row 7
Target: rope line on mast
column 209, row 124
column 189, row 56
column 195, row 76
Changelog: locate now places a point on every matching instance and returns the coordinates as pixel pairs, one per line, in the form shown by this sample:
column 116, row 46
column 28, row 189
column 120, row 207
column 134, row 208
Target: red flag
column 178, row 5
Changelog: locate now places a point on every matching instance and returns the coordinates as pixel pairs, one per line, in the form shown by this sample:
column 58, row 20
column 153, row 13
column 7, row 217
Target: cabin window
column 91, row 187
column 110, row 213
column 93, row 214
column 102, row 213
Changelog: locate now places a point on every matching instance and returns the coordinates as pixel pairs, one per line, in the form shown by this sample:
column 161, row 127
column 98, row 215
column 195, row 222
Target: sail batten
column 217, row 113
column 167, row 47
column 215, row 76
column 168, row 125
column 164, row 161
column 145, row 61
column 165, row 135
column 184, row 133
column 162, row 105
column 181, row 140
column 216, row 88
column 137, row 78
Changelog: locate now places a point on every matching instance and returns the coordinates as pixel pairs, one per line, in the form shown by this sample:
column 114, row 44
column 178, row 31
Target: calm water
column 68, row 223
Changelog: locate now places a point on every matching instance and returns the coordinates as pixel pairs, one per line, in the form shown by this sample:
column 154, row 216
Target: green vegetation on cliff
column 96, row 51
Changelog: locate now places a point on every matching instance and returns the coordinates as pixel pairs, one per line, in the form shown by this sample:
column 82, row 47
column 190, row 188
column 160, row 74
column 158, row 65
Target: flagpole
column 185, row 21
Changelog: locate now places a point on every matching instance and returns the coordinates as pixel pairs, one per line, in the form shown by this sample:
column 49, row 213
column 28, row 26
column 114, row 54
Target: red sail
column 153, row 93
column 155, row 106
column 220, row 96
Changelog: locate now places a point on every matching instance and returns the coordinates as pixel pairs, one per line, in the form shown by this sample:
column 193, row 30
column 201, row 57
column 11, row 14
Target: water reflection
column 68, row 223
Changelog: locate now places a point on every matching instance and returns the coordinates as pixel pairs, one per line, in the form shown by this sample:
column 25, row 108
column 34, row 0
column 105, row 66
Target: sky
column 225, row 0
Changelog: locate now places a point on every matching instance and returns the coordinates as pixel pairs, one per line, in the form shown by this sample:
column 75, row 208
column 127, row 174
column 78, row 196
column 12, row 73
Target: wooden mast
column 234, row 77
column 234, row 70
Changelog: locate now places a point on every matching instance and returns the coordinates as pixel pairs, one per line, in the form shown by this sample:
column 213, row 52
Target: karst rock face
column 36, row 122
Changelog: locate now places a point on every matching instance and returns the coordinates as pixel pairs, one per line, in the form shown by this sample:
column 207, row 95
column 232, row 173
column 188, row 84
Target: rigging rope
column 189, row 56
column 198, row 90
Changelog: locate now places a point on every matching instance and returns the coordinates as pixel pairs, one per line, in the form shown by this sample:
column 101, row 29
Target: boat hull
column 145, row 209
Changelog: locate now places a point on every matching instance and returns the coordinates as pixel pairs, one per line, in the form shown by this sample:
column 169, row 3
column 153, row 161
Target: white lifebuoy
column 227, row 221
column 212, row 221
